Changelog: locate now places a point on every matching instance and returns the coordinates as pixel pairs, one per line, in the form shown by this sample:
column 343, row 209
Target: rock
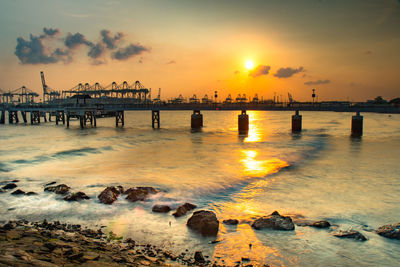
column 9, row 186
column 61, row 189
column 389, row 231
column 14, row 181
column 18, row 192
column 148, row 189
column 120, row 189
column 76, row 196
column 350, row 234
column 109, row 195
column 198, row 257
column 161, row 208
column 183, row 209
column 274, row 221
column 204, row 222
column 321, row 224
column 51, row 183
column 136, row 195
column 31, row 193
column 230, row 222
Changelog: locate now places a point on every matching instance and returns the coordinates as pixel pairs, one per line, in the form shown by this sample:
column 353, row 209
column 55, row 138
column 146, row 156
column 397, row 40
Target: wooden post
column 196, row 120
column 296, row 122
column 357, row 125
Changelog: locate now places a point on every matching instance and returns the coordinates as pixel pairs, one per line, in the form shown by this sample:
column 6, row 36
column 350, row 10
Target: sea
column 319, row 174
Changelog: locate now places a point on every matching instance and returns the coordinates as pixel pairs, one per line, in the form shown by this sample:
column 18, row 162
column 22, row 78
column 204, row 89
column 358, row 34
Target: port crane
column 48, row 93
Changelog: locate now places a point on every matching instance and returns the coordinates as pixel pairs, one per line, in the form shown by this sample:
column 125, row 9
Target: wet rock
column 274, row 221
column 148, row 189
column 183, row 209
column 390, row 231
column 76, row 196
column 321, row 224
column 198, row 257
column 9, row 186
column 109, row 195
column 31, row 193
column 230, row 222
column 61, row 189
column 204, row 222
column 18, row 192
column 14, row 181
column 51, row 183
column 120, row 188
column 136, row 194
column 350, row 234
column 161, row 208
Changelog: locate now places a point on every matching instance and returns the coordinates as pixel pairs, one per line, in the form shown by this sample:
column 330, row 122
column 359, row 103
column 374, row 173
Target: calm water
column 320, row 174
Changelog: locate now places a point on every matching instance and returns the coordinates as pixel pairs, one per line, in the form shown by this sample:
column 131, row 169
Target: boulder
column 230, row 222
column 350, row 234
column 9, row 186
column 161, row 208
column 183, row 209
column 31, row 193
column 76, row 196
column 60, row 189
column 51, row 183
column 321, row 224
column 204, row 222
column 389, row 231
column 198, row 257
column 109, row 195
column 18, row 192
column 139, row 193
column 274, row 221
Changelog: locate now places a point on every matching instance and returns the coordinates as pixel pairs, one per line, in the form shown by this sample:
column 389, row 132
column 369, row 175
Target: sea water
column 319, row 174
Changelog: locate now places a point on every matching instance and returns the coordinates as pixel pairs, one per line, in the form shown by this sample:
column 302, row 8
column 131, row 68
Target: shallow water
column 321, row 173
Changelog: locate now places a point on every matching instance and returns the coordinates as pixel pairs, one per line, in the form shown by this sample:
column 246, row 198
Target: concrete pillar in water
column 119, row 118
column 155, row 118
column 23, row 114
column 243, row 123
column 296, row 122
column 357, row 125
column 2, row 117
column 196, row 120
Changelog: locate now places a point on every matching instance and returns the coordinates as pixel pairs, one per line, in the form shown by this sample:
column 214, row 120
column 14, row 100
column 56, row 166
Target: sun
column 249, row 64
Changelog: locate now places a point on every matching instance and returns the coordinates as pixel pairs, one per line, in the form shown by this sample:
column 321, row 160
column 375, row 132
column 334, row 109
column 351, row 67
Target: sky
column 346, row 50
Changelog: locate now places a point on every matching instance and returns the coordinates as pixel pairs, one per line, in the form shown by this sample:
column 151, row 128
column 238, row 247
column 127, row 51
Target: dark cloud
column 287, row 72
column 75, row 40
column 109, row 40
column 50, row 32
column 33, row 51
column 259, row 70
column 171, row 62
column 96, row 50
column 129, row 51
column 317, row 82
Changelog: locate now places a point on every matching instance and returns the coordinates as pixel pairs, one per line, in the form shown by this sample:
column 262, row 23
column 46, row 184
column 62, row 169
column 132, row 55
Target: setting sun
column 249, row 64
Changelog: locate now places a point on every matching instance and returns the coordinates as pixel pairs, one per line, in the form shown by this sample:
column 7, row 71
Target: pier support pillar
column 3, row 117
column 49, row 116
column 243, row 123
column 35, row 117
column 155, row 118
column 60, row 116
column 23, row 114
column 43, row 114
column 296, row 122
column 12, row 117
column 196, row 120
column 68, row 117
column 357, row 125
column 119, row 118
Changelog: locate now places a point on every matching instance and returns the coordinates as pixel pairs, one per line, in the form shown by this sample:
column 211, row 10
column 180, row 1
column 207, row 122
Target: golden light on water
column 254, row 167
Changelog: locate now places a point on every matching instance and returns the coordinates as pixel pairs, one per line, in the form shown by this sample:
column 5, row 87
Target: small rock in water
column 18, row 192
column 183, row 209
column 109, row 195
column 230, row 222
column 9, row 186
column 350, row 234
column 51, row 183
column 198, row 257
column 139, row 193
column 321, row 224
column 274, row 221
column 389, row 231
column 204, row 222
column 61, row 189
column 31, row 193
column 161, row 208
column 76, row 196
column 14, row 181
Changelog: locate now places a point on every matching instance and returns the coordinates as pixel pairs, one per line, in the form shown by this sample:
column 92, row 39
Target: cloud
column 75, row 40
column 109, row 40
column 129, row 51
column 45, row 49
column 259, row 70
column 287, row 72
column 171, row 62
column 317, row 82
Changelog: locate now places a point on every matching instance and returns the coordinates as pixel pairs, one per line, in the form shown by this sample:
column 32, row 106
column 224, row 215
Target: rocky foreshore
column 24, row 243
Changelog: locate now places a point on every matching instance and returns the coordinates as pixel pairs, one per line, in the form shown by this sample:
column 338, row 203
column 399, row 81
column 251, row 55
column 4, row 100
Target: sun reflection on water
column 258, row 168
